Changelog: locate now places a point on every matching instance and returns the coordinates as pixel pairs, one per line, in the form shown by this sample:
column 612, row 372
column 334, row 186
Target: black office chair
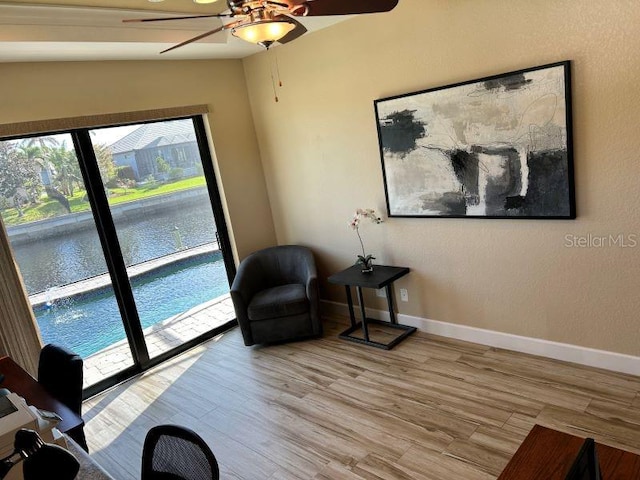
column 60, row 372
column 172, row 452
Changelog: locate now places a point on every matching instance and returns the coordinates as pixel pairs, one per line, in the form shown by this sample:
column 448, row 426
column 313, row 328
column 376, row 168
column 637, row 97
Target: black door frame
column 116, row 265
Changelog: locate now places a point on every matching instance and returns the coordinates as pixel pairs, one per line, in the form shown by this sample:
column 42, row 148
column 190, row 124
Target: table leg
column 363, row 312
column 352, row 315
column 392, row 313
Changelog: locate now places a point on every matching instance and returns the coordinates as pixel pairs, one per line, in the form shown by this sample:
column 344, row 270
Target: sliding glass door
column 57, row 247
column 167, row 232
column 120, row 239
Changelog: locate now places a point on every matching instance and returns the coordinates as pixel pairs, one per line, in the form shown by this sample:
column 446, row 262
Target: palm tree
column 43, row 142
column 67, row 169
column 31, row 152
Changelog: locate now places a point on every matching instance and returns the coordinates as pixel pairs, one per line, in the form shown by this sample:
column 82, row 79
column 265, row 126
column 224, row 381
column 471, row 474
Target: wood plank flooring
column 432, row 408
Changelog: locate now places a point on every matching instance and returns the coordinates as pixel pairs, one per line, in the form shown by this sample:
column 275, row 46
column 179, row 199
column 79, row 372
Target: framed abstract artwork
column 496, row 147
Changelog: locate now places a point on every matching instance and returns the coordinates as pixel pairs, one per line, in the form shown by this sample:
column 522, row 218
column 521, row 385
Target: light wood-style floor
column 431, row 408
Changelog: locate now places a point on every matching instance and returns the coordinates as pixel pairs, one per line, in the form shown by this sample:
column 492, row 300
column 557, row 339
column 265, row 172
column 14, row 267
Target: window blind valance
column 101, row 120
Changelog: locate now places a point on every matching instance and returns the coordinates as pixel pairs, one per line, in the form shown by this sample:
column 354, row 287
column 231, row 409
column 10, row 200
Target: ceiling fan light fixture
column 263, row 32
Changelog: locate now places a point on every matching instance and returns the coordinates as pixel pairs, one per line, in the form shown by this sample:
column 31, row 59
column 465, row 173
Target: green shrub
column 162, row 165
column 176, row 173
column 125, row 173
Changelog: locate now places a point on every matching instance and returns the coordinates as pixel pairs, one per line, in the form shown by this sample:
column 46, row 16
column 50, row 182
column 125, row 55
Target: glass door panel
column 159, row 201
column 49, row 221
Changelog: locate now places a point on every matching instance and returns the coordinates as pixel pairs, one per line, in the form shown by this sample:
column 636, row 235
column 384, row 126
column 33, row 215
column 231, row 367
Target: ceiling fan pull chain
column 273, row 85
column 278, row 69
column 274, row 63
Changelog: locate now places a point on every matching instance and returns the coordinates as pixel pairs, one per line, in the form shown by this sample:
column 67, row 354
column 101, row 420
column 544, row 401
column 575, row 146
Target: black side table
column 382, row 276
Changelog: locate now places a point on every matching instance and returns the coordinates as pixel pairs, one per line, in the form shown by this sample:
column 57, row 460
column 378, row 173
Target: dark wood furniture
column 17, row 380
column 548, row 454
column 382, row 276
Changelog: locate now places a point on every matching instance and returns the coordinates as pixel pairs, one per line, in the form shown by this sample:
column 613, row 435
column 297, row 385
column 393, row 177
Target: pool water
column 90, row 322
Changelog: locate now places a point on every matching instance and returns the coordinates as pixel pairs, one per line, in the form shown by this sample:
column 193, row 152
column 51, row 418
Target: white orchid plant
column 364, row 213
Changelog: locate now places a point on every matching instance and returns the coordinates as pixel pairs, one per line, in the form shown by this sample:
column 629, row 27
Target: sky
column 104, row 136
column 108, row 136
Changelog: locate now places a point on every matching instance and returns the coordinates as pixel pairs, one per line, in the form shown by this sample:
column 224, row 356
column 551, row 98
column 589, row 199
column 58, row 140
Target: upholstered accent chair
column 275, row 295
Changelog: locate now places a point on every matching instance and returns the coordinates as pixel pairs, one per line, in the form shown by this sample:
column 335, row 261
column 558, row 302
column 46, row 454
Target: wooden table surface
column 17, row 380
column 548, row 454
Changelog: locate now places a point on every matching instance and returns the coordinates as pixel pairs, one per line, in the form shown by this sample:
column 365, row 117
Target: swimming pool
column 90, row 322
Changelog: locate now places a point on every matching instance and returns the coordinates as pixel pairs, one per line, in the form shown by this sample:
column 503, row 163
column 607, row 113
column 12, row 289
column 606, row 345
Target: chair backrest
column 60, row 373
column 283, row 264
column 172, row 452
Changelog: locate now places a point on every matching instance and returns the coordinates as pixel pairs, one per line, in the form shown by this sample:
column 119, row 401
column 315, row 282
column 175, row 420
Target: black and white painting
column 496, row 147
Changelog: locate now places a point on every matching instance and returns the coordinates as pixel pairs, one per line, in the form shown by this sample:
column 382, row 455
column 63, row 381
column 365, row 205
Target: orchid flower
column 362, row 213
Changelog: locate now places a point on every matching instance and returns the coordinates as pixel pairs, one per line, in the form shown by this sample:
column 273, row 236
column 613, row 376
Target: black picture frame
column 494, row 147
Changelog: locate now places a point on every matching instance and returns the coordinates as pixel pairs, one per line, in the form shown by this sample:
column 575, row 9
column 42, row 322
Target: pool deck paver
column 160, row 337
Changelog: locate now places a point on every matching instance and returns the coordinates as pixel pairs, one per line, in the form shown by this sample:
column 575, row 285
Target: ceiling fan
column 265, row 22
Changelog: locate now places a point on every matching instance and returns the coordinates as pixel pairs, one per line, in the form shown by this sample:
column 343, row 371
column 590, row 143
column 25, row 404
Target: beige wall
column 38, row 91
column 320, row 154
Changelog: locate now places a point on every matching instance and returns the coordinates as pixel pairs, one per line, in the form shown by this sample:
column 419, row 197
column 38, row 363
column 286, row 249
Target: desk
column 382, row 276
column 17, row 380
column 89, row 469
column 548, row 454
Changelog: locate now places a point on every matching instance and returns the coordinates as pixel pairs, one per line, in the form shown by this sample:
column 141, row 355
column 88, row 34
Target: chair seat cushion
column 280, row 301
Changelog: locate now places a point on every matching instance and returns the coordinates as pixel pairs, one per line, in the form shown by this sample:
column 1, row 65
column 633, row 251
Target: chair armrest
column 240, row 306
column 312, row 281
column 313, row 295
column 248, row 281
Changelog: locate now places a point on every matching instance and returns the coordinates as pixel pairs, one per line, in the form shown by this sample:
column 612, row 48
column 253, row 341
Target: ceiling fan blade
column 313, row 8
column 298, row 31
column 195, row 39
column 188, row 17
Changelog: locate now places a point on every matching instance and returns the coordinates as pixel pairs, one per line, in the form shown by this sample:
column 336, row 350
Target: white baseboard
column 617, row 362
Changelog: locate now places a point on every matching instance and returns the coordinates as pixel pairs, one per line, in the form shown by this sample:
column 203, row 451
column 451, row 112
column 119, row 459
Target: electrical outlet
column 380, row 292
column 404, row 295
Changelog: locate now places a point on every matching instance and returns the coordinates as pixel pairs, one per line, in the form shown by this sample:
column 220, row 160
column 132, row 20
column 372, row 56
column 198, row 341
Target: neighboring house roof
column 152, row 135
